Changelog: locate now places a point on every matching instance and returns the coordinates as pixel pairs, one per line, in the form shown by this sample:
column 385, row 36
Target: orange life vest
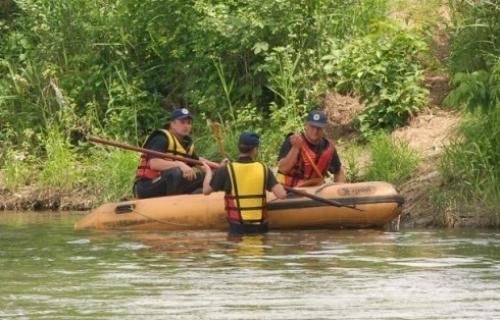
column 303, row 169
column 144, row 170
column 246, row 204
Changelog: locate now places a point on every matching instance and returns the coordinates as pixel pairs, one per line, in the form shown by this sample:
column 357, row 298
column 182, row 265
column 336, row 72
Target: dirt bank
column 34, row 198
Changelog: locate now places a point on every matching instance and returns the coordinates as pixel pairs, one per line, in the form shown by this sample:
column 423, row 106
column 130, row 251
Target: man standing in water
column 156, row 177
column 306, row 157
column 245, row 182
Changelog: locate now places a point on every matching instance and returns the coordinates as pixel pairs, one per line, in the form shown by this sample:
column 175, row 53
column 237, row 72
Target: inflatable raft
column 376, row 203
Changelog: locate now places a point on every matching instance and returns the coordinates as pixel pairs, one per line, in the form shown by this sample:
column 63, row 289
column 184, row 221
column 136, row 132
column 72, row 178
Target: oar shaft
column 147, row 151
column 218, row 137
column 314, row 166
column 320, row 199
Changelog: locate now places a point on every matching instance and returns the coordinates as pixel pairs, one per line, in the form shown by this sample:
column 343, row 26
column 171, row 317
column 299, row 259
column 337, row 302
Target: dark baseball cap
column 316, row 118
column 249, row 139
column 181, row 113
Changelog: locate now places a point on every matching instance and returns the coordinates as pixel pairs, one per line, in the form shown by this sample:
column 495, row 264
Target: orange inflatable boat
column 375, row 203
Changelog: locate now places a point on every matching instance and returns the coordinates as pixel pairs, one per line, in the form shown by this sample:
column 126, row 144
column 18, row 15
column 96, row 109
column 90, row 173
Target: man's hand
column 187, row 171
column 204, row 167
column 296, row 140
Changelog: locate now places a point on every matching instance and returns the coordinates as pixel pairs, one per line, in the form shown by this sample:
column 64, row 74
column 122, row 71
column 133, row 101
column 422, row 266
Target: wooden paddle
column 290, row 189
column 315, row 167
column 149, row 152
column 317, row 198
column 218, row 137
column 198, row 162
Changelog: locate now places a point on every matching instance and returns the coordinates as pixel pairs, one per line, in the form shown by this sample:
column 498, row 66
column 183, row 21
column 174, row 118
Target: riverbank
column 428, row 133
column 386, row 54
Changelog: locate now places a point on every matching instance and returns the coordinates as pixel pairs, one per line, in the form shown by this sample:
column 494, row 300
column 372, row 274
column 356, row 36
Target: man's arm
column 336, row 168
column 279, row 191
column 159, row 164
column 214, row 181
column 207, row 189
column 275, row 187
column 160, row 143
column 286, row 163
column 339, row 176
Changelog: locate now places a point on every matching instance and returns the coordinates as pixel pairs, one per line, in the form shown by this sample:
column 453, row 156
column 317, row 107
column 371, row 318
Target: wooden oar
column 198, row 162
column 317, row 198
column 218, row 137
column 315, row 167
column 296, row 191
column 148, row 151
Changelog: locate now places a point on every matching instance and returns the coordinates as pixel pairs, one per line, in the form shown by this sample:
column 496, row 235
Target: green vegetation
column 470, row 165
column 383, row 67
column 387, row 160
column 390, row 161
column 116, row 68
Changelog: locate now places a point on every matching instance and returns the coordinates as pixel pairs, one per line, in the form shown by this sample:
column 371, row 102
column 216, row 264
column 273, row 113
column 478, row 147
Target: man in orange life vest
column 300, row 149
column 156, row 177
column 245, row 182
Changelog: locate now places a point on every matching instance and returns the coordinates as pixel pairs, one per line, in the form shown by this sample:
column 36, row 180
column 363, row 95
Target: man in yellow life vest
column 156, row 177
column 245, row 182
column 306, row 157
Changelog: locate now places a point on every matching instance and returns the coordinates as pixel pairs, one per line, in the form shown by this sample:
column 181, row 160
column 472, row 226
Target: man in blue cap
column 305, row 158
column 156, row 177
column 245, row 182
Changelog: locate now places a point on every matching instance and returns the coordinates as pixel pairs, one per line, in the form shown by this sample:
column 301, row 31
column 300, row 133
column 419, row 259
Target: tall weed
column 60, row 170
column 470, row 165
column 109, row 174
column 18, row 169
column 392, row 161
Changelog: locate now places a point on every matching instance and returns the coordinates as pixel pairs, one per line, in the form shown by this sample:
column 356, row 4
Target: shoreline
column 418, row 210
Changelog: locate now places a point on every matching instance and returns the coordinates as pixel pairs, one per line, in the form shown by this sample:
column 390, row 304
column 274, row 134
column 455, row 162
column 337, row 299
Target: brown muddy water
column 50, row 271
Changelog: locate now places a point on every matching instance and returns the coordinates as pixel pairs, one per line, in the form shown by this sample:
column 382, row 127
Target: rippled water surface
column 50, row 271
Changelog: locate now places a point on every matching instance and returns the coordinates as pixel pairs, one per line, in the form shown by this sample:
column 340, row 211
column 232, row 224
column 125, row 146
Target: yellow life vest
column 175, row 147
column 247, row 201
column 144, row 170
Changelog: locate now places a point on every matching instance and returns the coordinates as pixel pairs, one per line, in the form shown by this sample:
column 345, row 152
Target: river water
column 50, row 271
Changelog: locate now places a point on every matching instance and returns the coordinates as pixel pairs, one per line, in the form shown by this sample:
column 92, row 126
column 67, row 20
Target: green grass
column 470, row 165
column 392, row 161
column 109, row 173
column 17, row 169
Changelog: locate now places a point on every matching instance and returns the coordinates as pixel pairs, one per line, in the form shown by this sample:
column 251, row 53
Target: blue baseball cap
column 316, row 118
column 181, row 113
column 249, row 138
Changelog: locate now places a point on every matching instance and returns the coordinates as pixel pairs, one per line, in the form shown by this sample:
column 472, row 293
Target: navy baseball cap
column 316, row 118
column 249, row 139
column 181, row 113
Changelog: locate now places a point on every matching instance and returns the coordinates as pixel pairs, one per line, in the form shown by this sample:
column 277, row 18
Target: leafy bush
column 477, row 90
column 384, row 69
column 475, row 36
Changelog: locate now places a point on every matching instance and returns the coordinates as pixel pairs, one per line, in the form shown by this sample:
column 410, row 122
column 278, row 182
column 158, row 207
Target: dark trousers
column 235, row 228
column 170, row 182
